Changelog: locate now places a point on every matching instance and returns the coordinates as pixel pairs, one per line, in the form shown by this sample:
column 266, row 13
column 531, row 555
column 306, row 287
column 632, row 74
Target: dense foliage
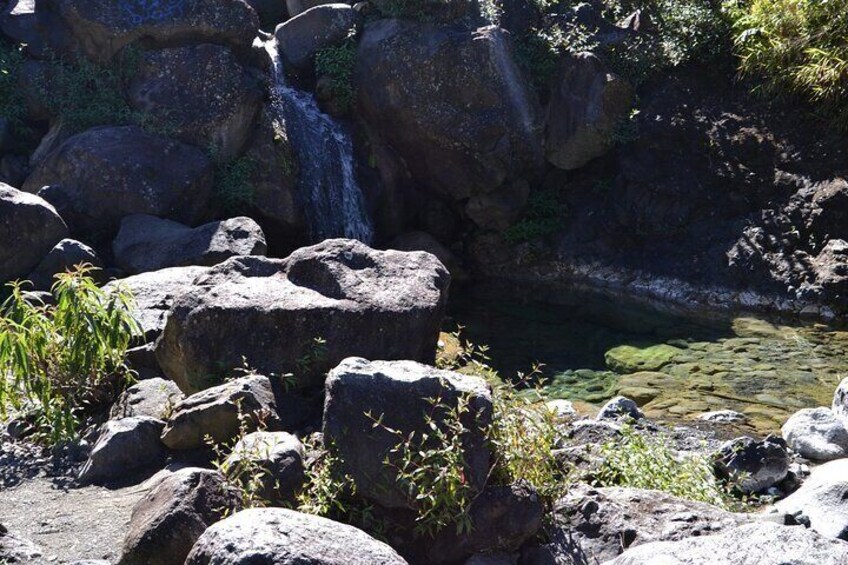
column 12, row 104
column 234, row 191
column 59, row 357
column 335, row 65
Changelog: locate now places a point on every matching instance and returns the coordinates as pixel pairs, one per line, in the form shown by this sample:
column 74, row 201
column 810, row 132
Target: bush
column 234, row 190
column 335, row 65
column 795, row 48
column 60, row 358
column 544, row 216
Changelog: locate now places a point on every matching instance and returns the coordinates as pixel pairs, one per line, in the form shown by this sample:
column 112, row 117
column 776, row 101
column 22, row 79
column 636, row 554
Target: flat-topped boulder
column 269, row 313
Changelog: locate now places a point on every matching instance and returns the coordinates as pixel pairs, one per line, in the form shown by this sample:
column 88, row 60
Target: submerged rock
column 817, row 434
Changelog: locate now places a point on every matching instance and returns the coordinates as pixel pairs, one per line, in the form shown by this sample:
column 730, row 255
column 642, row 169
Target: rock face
column 124, row 446
column 66, row 255
column 753, row 544
column 154, row 293
column 29, row 228
column 817, row 434
column 753, row 466
column 99, row 176
column 451, row 102
column 397, row 394
column 279, row 455
column 202, row 92
column 274, row 536
column 384, row 304
column 169, row 519
column 147, row 243
column 587, row 105
column 215, row 412
column 104, row 27
column 821, row 500
column 301, row 37
column 604, row 522
column 153, row 398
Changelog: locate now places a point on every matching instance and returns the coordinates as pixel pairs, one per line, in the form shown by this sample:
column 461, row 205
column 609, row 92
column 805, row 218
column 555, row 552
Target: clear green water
column 676, row 365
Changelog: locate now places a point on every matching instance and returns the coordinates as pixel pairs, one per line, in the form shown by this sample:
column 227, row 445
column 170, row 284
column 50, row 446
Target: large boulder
column 603, row 522
column 35, row 25
column 147, row 243
column 361, row 302
column 753, row 465
column 587, row 107
column 279, row 456
column 200, row 92
column 399, row 395
column 66, row 255
column 154, row 294
column 29, row 228
column 274, row 536
column 104, row 27
column 820, row 502
column 752, row 544
column 817, row 434
column 101, row 175
column 303, row 36
column 153, row 398
column 452, row 103
column 124, row 446
column 167, row 522
column 219, row 412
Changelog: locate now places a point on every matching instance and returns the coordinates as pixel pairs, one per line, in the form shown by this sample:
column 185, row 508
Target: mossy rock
column 626, row 359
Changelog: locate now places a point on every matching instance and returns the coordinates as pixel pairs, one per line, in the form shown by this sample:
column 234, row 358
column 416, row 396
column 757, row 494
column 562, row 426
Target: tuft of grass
column 56, row 358
column 336, row 64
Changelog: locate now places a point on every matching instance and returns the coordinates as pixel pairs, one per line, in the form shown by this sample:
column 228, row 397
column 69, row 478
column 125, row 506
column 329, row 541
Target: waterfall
column 327, row 187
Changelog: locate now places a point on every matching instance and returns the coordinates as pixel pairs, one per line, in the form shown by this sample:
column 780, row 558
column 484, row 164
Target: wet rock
column 587, row 106
column 67, row 254
column 154, row 398
column 274, row 536
column 201, row 93
column 753, row 466
column 214, row 412
column 383, row 304
column 124, row 446
column 280, row 455
column 104, row 27
column 303, row 36
column 147, row 243
column 29, row 228
column 397, row 393
column 167, row 522
column 604, row 522
column 154, row 293
column 820, row 502
column 763, row 544
column 620, row 407
column 817, row 434
column 101, row 175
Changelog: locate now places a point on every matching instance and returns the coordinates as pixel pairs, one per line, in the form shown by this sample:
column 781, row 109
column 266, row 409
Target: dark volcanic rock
column 361, row 302
column 67, row 254
column 323, row 26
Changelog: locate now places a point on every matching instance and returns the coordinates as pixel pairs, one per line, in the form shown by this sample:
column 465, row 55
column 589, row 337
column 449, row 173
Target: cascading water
column 332, row 199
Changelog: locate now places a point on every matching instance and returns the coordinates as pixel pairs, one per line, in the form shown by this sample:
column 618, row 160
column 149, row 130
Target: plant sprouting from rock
column 334, row 65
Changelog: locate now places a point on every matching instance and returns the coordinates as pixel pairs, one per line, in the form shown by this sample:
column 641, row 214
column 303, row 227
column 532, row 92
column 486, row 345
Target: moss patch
column 626, row 359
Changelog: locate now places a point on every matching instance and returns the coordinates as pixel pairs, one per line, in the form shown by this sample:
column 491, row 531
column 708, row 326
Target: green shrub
column 58, row 357
column 234, row 190
column 336, row 65
column 638, row 461
column 544, row 216
column 795, row 48
column 12, row 103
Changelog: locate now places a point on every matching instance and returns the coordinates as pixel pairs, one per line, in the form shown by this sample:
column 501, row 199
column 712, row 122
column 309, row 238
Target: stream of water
column 676, row 365
column 331, row 197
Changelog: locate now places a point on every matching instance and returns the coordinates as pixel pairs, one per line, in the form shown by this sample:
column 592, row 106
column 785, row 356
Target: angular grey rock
column 724, row 417
column 280, row 455
column 397, row 393
column 821, row 500
column 97, row 177
column 154, row 293
column 561, row 408
column 840, row 400
column 124, row 446
column 620, row 407
column 753, row 466
column 361, row 302
column 29, row 228
column 214, row 412
column 301, row 37
column 172, row 516
column 274, row 536
column 601, row 523
column 154, row 398
column 752, row 544
column 147, row 243
column 817, row 434
column 66, row 255
column 14, row 549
